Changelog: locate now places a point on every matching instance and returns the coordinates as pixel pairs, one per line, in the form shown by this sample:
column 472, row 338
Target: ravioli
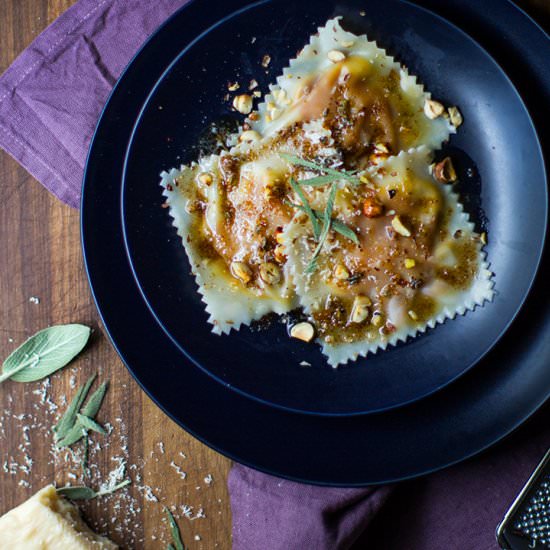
column 364, row 96
column 417, row 263
column 327, row 202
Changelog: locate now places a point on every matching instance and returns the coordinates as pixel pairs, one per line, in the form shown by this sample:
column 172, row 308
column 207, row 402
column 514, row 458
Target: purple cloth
column 50, row 100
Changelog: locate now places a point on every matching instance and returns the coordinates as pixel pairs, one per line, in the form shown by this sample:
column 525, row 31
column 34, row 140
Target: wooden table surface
column 40, row 258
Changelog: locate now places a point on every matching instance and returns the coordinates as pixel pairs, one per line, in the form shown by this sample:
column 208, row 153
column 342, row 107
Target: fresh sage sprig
column 81, row 492
column 177, row 543
column 327, row 222
column 78, row 419
column 338, row 226
column 44, row 353
column 337, row 174
column 306, row 208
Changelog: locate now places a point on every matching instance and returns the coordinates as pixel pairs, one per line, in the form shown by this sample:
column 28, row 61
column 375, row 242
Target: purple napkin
column 50, row 100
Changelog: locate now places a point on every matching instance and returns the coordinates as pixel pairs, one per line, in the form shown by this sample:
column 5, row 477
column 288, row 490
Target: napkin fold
column 50, row 100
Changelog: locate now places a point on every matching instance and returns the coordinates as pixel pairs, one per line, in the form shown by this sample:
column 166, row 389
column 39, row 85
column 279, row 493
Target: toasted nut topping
column 257, row 93
column 254, row 116
column 372, row 208
column 336, row 56
column 409, row 263
column 270, row 273
column 341, row 272
column 433, row 109
column 444, row 171
column 279, row 236
column 205, row 178
column 241, row 271
column 253, row 84
column 397, row 224
column 249, row 136
column 381, row 148
column 456, row 116
column 376, row 319
column 483, row 238
column 413, row 315
column 233, row 86
column 266, row 60
column 279, row 253
column 243, row 103
column 360, row 309
column 303, row 331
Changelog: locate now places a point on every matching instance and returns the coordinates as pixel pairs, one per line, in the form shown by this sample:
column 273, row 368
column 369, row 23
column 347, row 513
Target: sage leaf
column 44, row 353
column 339, row 174
column 68, row 420
column 345, row 231
column 326, row 228
column 110, row 490
column 338, row 226
column 94, row 403
column 318, row 181
column 90, row 424
column 174, row 529
column 306, row 207
column 77, row 492
column 81, row 492
column 76, row 433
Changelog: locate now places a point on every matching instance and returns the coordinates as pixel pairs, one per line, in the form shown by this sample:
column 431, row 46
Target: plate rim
column 521, row 302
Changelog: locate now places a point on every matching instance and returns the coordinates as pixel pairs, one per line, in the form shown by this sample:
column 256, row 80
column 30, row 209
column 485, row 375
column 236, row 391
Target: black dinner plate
column 502, row 184
column 473, row 412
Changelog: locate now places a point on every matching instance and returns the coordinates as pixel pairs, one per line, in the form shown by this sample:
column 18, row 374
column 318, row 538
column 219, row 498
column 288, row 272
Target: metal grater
column 526, row 525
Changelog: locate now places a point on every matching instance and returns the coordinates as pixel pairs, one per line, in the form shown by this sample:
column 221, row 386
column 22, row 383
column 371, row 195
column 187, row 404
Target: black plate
column 503, row 186
column 481, row 407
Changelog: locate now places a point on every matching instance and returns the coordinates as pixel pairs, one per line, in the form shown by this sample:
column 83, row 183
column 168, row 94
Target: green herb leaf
column 326, row 228
column 94, row 403
column 307, row 207
column 68, row 420
column 44, row 353
column 339, row 174
column 75, row 434
column 81, row 492
column 174, row 529
column 77, row 492
column 110, row 490
column 90, row 424
column 170, row 547
column 318, row 181
column 339, row 227
column 345, row 231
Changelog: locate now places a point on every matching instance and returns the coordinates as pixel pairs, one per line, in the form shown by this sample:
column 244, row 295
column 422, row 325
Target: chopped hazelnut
column 444, row 171
column 455, row 116
column 360, row 309
column 341, row 272
column 433, row 109
column 336, row 56
column 397, row 224
column 243, row 103
column 372, row 208
column 270, row 273
column 250, row 136
column 303, row 331
column 205, row 178
column 241, row 271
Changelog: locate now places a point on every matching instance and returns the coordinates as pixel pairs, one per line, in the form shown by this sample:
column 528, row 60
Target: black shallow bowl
column 502, row 184
column 469, row 415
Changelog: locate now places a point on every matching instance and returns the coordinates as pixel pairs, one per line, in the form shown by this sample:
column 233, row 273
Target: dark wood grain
column 40, row 257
